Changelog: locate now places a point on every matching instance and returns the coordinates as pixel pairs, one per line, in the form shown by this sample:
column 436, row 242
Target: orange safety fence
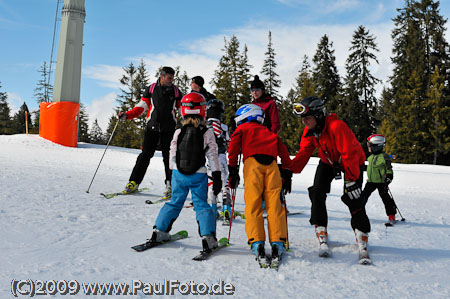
column 58, row 122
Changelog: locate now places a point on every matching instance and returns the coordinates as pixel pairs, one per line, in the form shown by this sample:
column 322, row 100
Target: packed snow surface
column 51, row 229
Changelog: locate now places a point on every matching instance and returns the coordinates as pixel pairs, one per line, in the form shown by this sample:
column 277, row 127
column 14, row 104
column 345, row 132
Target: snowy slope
column 51, row 228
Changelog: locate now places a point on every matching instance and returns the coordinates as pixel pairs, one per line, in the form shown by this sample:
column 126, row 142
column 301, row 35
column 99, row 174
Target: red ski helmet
column 193, row 104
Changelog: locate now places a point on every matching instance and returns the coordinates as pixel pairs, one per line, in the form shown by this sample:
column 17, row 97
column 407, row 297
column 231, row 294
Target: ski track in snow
column 52, row 229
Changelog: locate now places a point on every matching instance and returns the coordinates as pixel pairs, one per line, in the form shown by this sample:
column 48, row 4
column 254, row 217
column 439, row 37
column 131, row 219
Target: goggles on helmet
column 300, row 109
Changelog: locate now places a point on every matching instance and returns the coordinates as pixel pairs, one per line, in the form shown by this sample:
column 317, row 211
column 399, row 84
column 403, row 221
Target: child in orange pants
column 260, row 148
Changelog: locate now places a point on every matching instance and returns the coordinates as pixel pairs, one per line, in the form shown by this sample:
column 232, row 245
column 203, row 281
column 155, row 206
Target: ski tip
column 183, row 233
column 224, row 241
column 365, row 262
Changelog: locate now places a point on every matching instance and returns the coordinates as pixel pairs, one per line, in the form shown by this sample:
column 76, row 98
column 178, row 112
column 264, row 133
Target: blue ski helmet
column 249, row 112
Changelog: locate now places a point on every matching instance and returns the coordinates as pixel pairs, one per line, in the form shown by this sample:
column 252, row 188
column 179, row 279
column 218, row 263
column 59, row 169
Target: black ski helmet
column 310, row 106
column 215, row 109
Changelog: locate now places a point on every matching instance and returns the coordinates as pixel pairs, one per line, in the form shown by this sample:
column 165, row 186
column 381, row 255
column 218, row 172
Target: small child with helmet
column 215, row 110
column 191, row 144
column 380, row 174
column 260, row 148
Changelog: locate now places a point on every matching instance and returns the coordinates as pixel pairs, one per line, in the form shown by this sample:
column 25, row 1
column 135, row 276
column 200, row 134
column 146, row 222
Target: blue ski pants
column 197, row 183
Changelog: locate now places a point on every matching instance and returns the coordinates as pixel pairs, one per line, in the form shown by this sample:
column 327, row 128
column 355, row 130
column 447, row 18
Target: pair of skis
column 204, row 254
column 148, row 201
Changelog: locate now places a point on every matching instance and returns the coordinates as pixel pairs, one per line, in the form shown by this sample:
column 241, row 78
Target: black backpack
column 190, row 152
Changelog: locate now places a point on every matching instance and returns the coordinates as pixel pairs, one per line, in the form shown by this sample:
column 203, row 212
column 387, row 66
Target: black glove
column 286, row 175
column 233, row 180
column 217, row 182
column 352, row 189
column 389, row 178
column 122, row 115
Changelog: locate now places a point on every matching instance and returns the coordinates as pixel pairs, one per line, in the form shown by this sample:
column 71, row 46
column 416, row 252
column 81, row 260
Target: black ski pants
column 383, row 190
column 151, row 139
column 318, row 195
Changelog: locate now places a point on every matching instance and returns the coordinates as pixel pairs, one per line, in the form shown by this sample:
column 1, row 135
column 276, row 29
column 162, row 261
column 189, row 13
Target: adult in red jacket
column 160, row 100
column 339, row 150
column 267, row 104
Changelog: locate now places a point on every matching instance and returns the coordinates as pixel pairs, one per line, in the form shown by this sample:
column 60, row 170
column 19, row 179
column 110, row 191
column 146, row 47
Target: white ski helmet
column 249, row 112
column 376, row 143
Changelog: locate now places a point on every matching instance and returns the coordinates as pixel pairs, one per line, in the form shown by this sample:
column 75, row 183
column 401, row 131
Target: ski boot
column 159, row 236
column 362, row 239
column 392, row 220
column 277, row 254
column 131, row 187
column 209, row 242
column 322, row 236
column 260, row 253
column 168, row 192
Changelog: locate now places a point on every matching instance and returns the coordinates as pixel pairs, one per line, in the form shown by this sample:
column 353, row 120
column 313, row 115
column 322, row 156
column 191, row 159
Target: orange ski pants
column 263, row 181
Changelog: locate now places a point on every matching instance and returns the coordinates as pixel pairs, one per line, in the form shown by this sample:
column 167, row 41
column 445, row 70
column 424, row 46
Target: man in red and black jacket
column 161, row 101
column 338, row 150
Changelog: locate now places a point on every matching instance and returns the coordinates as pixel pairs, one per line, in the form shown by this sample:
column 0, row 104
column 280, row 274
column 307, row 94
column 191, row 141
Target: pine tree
column 5, row 111
column 96, row 134
column 439, row 116
column 19, row 120
column 360, row 111
column 326, row 76
column 292, row 126
column 83, row 127
column 271, row 82
column 231, row 79
column 243, row 86
column 182, row 81
column 129, row 133
column 43, row 91
column 304, row 83
column 419, row 47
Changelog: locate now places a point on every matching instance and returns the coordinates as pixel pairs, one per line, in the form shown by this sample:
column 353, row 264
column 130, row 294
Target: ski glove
column 389, row 178
column 217, row 182
column 352, row 189
column 122, row 115
column 234, row 179
column 286, row 176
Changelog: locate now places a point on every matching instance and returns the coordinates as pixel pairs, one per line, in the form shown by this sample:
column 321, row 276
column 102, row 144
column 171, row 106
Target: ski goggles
column 193, row 104
column 300, row 109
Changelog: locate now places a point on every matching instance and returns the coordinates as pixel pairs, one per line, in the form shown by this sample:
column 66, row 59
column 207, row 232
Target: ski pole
column 390, row 193
column 233, row 198
column 286, row 213
column 107, row 145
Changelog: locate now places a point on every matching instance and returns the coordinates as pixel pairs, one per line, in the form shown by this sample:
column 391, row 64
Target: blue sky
column 189, row 34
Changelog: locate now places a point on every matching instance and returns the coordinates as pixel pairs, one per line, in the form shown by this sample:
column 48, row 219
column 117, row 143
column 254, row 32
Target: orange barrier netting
column 58, row 122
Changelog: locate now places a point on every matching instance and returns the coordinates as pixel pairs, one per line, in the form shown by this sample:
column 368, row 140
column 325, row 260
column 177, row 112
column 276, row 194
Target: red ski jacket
column 336, row 144
column 270, row 108
column 252, row 138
